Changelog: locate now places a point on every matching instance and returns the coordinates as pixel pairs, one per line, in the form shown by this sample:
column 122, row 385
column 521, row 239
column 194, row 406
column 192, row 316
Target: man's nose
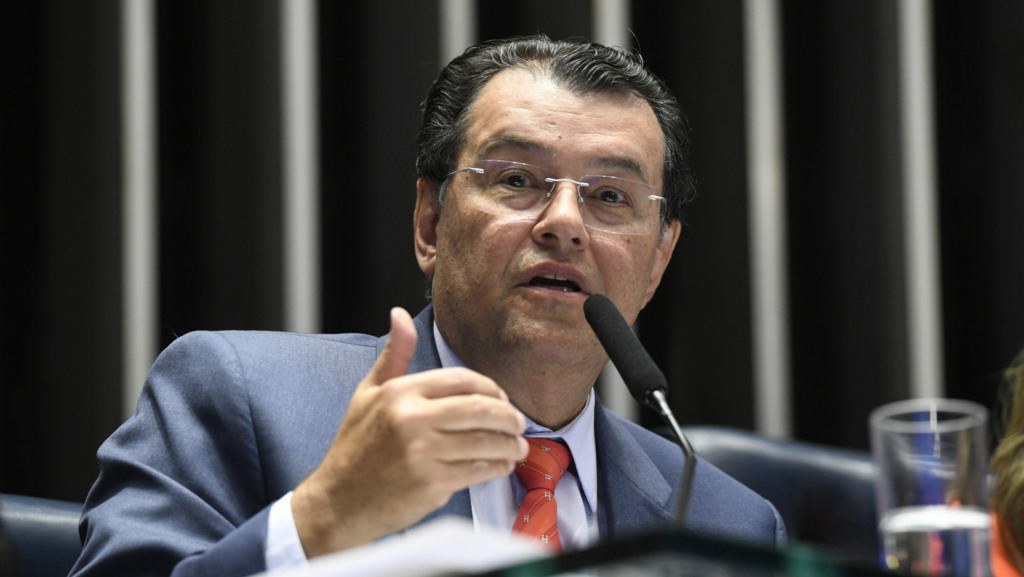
column 567, row 191
column 562, row 217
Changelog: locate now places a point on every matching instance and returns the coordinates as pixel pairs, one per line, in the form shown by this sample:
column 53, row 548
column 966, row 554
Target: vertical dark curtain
column 376, row 61
column 979, row 89
column 219, row 118
column 59, row 245
column 21, row 210
column 566, row 19
column 845, row 216
column 698, row 325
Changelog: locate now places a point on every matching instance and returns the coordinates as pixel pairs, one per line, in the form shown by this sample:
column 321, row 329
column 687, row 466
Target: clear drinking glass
column 932, row 490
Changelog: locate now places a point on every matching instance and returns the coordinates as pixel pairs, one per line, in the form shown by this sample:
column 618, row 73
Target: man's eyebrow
column 511, row 142
column 622, row 163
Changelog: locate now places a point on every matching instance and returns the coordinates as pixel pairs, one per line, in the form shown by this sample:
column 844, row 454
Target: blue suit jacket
column 229, row 422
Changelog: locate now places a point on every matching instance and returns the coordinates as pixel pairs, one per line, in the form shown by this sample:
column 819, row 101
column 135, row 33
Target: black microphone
column 643, row 378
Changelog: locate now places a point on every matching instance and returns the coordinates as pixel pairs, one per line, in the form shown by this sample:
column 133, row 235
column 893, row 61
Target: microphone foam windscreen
column 638, row 370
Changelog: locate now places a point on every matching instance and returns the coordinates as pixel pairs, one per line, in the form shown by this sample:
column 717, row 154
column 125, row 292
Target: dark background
column 220, row 176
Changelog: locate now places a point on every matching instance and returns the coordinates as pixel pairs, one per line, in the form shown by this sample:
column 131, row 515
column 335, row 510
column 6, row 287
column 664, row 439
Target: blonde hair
column 1008, row 466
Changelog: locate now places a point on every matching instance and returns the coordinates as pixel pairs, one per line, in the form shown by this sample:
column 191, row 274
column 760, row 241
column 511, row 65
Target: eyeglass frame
column 580, row 184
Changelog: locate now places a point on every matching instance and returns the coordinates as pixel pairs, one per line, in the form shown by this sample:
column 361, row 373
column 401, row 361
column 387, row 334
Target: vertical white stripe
column 300, row 167
column 767, row 201
column 611, row 22
column 458, row 28
column 611, row 28
column 138, row 182
column 924, row 291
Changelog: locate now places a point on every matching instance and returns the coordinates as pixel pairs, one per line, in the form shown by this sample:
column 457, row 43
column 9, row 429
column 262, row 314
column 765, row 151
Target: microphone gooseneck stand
column 643, row 378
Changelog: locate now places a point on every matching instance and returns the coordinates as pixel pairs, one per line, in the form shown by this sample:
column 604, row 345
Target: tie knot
column 544, row 465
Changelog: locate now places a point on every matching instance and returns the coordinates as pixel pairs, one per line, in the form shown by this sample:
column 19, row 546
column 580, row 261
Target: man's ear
column 662, row 255
column 428, row 212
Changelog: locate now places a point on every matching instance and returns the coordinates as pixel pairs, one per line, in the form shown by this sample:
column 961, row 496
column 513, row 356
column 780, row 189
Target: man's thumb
column 394, row 360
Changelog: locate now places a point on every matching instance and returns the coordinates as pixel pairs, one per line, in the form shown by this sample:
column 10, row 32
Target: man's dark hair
column 579, row 66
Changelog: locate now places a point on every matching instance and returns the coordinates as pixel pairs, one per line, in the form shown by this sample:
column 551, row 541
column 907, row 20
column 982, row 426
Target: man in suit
column 547, row 171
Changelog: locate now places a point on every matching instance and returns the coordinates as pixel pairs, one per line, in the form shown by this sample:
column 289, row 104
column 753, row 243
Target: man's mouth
column 555, row 282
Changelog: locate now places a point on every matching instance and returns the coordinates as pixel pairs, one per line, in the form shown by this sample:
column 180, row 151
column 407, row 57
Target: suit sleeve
column 781, row 539
column 181, row 490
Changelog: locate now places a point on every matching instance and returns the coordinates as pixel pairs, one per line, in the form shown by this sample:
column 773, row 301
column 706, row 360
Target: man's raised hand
column 407, row 443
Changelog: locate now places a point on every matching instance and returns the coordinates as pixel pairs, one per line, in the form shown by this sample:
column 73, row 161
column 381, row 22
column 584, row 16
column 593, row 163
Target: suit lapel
column 633, row 494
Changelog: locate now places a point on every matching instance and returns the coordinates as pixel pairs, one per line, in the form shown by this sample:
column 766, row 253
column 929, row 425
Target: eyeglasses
column 607, row 203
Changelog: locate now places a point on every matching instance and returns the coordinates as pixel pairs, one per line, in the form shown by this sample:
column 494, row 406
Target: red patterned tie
column 540, row 472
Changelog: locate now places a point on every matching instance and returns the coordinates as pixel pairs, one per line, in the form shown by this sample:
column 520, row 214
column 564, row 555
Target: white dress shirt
column 495, row 503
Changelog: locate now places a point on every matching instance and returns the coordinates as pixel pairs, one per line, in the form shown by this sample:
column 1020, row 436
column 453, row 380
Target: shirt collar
column 578, row 435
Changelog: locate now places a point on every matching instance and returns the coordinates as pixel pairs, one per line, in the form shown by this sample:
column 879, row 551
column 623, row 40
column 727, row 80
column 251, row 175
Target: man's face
column 511, row 286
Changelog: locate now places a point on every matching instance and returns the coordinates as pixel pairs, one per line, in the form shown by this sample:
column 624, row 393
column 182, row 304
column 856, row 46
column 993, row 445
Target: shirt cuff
column 283, row 546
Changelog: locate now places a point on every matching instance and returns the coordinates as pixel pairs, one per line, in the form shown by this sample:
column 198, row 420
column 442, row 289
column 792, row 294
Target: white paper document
column 446, row 545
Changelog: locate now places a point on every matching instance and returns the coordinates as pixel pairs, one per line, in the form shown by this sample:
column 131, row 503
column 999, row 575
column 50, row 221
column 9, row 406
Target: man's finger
column 480, row 445
column 477, row 412
column 394, row 360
